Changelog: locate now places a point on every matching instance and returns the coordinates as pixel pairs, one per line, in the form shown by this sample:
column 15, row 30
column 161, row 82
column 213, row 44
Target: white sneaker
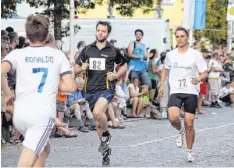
column 180, row 138
column 190, row 157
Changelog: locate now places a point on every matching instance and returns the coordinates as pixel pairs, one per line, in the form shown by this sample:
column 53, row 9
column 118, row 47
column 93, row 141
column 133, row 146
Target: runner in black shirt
column 99, row 59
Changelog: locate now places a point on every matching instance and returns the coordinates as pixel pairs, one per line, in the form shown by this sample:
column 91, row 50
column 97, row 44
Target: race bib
column 97, row 64
column 181, row 83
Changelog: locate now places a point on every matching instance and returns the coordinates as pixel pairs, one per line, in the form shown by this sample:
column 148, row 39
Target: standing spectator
column 14, row 40
column 9, row 29
column 153, row 72
column 203, row 90
column 22, row 42
column 164, row 99
column 137, row 56
column 214, row 69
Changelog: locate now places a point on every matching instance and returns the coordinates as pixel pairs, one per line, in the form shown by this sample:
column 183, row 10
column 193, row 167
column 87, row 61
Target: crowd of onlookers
column 136, row 91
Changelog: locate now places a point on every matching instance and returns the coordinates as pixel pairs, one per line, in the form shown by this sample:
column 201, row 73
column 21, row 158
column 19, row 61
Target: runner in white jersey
column 186, row 68
column 39, row 69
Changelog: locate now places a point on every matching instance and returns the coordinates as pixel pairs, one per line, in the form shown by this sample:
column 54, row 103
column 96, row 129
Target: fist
column 111, row 76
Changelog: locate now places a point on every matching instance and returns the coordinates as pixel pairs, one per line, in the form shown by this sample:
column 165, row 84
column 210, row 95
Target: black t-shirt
column 100, row 62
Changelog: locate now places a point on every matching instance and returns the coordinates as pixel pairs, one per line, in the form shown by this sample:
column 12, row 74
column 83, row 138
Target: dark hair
column 134, row 78
column 13, row 36
column 139, row 30
column 181, row 29
column 37, row 28
column 226, row 83
column 21, row 42
column 104, row 23
column 4, row 33
column 232, row 49
column 80, row 44
column 153, row 51
column 10, row 29
column 163, row 56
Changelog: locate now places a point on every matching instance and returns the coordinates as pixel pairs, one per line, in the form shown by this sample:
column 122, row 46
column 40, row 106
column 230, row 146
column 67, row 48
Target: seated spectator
column 145, row 105
column 135, row 97
column 119, row 101
column 113, row 122
column 227, row 94
column 77, row 105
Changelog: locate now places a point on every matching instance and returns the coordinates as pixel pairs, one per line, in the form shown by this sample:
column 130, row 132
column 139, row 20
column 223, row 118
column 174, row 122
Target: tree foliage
column 216, row 24
column 8, row 8
column 58, row 10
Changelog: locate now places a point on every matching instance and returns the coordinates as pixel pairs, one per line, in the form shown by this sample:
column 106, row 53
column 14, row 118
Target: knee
column 188, row 126
column 96, row 115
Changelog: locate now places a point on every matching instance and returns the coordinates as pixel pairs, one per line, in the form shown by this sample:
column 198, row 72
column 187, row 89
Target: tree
column 216, row 24
column 58, row 10
column 8, row 8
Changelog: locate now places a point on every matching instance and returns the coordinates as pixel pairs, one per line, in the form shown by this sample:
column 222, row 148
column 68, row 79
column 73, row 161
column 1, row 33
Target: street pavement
column 146, row 143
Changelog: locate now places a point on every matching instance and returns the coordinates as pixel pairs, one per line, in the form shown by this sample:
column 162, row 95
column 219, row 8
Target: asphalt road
column 146, row 143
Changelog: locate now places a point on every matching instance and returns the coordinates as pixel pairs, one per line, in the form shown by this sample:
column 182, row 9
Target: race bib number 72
column 181, row 83
column 98, row 64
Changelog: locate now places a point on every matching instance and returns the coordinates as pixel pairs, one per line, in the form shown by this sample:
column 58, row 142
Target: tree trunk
column 58, row 23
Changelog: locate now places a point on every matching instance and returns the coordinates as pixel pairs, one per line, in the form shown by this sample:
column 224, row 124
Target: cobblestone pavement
column 146, row 143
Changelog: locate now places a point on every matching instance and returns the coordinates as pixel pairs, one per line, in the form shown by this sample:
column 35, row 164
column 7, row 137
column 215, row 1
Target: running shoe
column 190, row 156
column 180, row 138
column 105, row 141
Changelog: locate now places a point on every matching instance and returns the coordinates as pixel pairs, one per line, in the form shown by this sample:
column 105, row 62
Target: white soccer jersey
column 38, row 70
column 182, row 69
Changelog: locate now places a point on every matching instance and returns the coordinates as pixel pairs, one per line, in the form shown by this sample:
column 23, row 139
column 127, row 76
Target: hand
column 85, row 65
column 161, row 91
column 9, row 103
column 131, row 67
column 196, row 80
column 111, row 76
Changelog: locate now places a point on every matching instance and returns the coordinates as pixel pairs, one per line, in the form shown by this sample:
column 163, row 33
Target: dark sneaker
column 217, row 105
column 92, row 128
column 106, row 158
column 83, row 129
column 213, row 104
column 105, row 141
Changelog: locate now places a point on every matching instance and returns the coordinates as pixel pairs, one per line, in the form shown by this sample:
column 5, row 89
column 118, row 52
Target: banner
column 199, row 14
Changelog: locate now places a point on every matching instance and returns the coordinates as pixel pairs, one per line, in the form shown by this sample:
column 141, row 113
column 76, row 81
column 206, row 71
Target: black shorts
column 226, row 99
column 92, row 97
column 189, row 101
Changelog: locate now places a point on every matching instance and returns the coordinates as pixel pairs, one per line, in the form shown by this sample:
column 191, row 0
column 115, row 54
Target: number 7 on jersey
column 43, row 79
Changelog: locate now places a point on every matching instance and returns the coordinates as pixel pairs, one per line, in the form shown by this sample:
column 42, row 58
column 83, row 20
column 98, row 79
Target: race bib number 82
column 97, row 64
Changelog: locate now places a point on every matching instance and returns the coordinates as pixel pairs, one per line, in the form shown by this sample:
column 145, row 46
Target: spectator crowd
column 136, row 91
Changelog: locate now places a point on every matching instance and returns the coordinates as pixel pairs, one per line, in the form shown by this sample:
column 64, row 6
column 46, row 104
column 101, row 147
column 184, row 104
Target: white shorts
column 36, row 131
